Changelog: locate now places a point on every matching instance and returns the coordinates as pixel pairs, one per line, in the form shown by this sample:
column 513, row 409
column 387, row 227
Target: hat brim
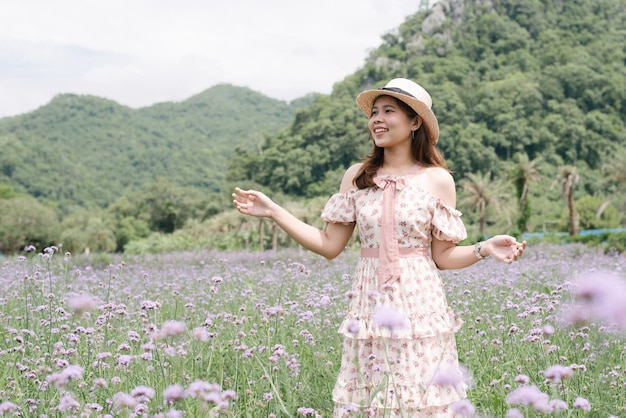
column 366, row 100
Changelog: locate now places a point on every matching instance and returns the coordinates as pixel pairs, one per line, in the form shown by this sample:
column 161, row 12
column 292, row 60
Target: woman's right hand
column 253, row 203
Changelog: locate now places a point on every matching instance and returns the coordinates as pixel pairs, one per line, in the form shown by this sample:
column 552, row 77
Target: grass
column 255, row 334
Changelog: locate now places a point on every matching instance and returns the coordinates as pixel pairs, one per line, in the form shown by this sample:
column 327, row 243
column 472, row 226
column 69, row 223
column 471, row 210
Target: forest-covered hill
column 535, row 88
column 530, row 96
column 87, row 151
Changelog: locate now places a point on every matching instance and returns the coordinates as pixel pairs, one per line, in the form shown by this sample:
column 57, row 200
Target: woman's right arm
column 328, row 243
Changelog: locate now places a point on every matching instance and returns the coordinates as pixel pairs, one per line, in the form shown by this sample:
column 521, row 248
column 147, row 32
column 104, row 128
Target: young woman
column 399, row 330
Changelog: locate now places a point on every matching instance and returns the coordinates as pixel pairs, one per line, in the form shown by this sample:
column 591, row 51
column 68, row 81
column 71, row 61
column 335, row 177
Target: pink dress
column 388, row 367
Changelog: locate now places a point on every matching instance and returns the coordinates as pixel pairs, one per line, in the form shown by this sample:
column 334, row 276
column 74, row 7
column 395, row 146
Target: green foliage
column 129, row 223
column 609, row 242
column 304, row 160
column 25, row 221
column 479, row 193
column 87, row 151
column 587, row 209
column 6, row 191
column 88, row 230
column 616, row 242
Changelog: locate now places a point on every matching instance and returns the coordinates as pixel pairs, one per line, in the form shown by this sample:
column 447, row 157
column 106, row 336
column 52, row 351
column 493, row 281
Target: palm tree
column 479, row 191
column 615, row 178
column 523, row 173
column 569, row 177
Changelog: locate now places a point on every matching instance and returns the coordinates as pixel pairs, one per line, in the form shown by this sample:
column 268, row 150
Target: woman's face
column 389, row 123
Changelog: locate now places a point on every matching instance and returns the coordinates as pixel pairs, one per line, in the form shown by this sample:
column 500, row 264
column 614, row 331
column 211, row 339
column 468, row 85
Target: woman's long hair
column 425, row 152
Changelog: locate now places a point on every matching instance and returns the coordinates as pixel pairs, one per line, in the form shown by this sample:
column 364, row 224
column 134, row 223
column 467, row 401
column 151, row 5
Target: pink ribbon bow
column 389, row 254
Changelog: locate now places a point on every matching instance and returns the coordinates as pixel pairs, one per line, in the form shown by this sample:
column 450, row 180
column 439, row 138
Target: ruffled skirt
column 389, row 370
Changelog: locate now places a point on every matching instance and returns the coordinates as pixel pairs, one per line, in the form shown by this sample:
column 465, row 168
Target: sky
column 141, row 52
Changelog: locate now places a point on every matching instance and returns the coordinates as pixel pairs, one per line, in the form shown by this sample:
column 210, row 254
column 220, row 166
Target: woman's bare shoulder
column 440, row 176
column 347, row 183
column 354, row 169
column 440, row 183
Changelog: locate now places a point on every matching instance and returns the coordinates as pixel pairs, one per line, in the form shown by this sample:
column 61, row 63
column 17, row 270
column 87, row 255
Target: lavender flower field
column 255, row 334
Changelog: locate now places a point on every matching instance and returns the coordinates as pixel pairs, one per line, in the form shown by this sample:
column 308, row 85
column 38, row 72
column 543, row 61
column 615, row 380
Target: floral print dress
column 388, row 370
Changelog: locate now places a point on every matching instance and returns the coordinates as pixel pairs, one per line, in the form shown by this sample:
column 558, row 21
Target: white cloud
column 139, row 52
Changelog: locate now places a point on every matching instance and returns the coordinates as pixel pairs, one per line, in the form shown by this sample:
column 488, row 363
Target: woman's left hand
column 504, row 248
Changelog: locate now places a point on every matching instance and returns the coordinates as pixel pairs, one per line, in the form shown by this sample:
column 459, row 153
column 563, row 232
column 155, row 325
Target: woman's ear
column 417, row 122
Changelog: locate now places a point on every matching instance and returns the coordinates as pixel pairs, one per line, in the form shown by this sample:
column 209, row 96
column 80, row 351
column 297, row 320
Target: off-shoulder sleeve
column 447, row 224
column 340, row 209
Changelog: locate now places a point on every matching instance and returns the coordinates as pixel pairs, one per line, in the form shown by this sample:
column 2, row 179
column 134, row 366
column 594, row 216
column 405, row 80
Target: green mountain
column 514, row 82
column 87, row 151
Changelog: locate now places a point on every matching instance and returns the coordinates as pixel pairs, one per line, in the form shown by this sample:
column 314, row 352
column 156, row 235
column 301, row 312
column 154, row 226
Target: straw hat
column 410, row 93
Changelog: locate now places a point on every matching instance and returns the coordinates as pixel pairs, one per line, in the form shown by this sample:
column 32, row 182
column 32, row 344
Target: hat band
column 397, row 90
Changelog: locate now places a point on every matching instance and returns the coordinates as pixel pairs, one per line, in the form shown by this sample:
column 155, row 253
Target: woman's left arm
column 504, row 248
column 448, row 255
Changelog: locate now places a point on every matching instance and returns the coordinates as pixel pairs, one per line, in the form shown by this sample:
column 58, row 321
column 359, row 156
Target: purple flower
column 582, row 403
column 149, row 305
column 124, row 360
column 50, row 250
column 389, row 317
column 451, row 377
column 353, row 326
column 602, row 292
column 173, row 328
column 514, row 413
column 68, row 403
column 556, row 373
column 463, row 408
column 275, row 310
column 62, row 379
column 522, row 378
column 99, row 382
column 80, row 304
column 73, row 372
column 200, row 334
column 350, row 407
column 307, row 412
column 373, row 294
column 526, row 395
column 211, row 397
column 94, row 407
column 548, row 329
column 543, row 405
column 142, row 393
column 174, row 393
column 122, row 400
column 7, row 406
column 558, row 404
column 229, row 394
column 198, row 387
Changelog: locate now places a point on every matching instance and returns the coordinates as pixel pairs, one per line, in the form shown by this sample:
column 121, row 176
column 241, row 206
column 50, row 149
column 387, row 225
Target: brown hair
column 424, row 151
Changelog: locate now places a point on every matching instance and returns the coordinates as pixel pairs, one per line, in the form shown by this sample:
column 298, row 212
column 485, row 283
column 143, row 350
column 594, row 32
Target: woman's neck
column 398, row 169
column 398, row 162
